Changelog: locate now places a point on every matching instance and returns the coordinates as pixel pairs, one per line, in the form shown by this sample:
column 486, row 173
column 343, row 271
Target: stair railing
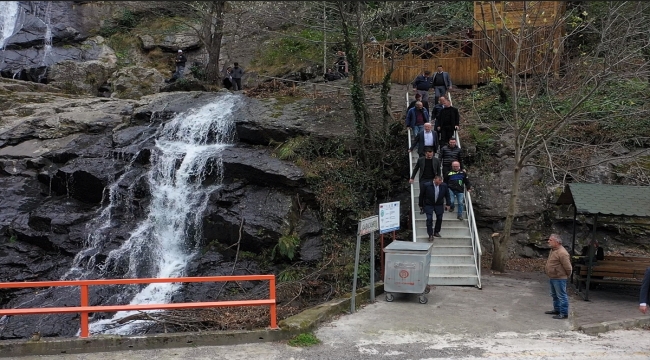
column 471, row 218
column 411, row 166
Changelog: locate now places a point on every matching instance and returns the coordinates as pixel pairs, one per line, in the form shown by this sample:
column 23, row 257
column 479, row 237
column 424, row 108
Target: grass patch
column 290, row 52
column 304, row 340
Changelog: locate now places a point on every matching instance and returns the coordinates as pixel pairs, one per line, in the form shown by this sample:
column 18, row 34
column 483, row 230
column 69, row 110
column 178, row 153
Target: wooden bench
column 621, row 270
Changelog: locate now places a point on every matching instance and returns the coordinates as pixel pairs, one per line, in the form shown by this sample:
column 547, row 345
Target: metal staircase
column 456, row 256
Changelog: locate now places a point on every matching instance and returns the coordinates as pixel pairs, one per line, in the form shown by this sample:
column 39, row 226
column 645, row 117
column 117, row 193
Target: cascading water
column 9, row 11
column 47, row 41
column 187, row 150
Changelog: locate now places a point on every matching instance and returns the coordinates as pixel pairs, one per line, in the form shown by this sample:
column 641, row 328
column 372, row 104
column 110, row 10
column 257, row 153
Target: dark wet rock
column 257, row 166
column 184, row 85
column 86, row 178
column 311, row 249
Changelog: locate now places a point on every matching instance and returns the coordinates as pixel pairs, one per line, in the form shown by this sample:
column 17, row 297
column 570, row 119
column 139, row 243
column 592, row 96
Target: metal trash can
column 407, row 269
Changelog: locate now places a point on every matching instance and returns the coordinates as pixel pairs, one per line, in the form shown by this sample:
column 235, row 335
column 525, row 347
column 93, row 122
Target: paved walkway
column 505, row 320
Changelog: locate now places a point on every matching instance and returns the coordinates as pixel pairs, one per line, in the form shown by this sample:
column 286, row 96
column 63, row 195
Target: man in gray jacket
column 237, row 73
column 441, row 84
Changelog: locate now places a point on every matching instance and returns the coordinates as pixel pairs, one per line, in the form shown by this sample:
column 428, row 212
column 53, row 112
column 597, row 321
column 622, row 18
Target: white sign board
column 368, row 225
column 388, row 217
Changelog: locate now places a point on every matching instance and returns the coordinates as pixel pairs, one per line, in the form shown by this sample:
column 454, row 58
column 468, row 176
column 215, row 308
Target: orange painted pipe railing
column 84, row 309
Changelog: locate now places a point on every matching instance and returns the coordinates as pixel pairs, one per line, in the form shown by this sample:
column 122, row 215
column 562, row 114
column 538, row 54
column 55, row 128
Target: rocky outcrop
column 134, row 82
column 170, row 42
column 80, row 77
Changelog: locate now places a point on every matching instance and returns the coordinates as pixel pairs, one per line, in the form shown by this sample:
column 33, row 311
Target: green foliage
column 304, row 340
column 287, row 246
column 198, row 72
column 484, row 142
column 126, row 21
column 291, row 51
column 290, row 149
column 290, row 274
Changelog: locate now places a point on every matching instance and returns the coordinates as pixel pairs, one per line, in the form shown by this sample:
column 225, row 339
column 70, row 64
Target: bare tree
column 543, row 90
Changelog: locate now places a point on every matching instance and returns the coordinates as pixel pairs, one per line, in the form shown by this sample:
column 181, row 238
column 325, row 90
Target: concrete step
column 448, row 220
column 448, row 231
column 453, row 280
column 421, row 236
column 441, row 241
column 452, row 260
column 451, row 250
column 457, row 269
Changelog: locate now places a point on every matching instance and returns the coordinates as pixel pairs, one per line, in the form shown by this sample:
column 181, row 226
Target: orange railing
column 84, row 309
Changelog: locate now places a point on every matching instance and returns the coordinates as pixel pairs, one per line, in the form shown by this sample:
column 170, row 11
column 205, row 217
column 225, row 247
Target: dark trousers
column 236, row 84
column 429, row 210
column 445, row 135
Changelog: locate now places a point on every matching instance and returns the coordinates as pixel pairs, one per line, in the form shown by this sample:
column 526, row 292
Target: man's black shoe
column 430, row 238
column 451, row 209
column 552, row 312
column 558, row 316
column 437, row 235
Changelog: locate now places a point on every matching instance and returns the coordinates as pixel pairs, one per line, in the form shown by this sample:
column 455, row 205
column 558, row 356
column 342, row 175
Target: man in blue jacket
column 422, row 84
column 416, row 117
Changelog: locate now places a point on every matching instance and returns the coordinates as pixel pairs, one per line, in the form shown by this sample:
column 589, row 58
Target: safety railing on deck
column 84, row 309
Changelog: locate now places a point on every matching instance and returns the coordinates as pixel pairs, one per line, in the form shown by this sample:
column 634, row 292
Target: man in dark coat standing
column 180, row 64
column 432, row 199
column 448, row 120
column 422, row 84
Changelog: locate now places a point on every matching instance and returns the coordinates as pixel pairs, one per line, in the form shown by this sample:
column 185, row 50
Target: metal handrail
column 85, row 308
column 410, row 172
column 473, row 230
column 471, row 218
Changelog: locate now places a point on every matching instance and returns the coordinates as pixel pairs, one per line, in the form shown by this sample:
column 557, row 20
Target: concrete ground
column 505, row 320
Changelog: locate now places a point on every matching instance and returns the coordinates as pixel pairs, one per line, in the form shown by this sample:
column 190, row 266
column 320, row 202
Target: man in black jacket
column 432, row 198
column 449, row 154
column 447, row 121
column 418, row 97
column 429, row 167
column 180, row 64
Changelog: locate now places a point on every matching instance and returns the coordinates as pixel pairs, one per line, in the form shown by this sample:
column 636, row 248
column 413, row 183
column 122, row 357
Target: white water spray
column 187, row 150
column 47, row 41
column 9, row 11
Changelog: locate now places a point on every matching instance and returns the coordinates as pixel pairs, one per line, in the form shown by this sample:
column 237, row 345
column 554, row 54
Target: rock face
column 47, row 33
column 66, row 162
column 133, row 82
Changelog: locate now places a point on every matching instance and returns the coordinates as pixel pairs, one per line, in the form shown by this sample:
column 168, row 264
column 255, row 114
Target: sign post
column 388, row 221
column 366, row 226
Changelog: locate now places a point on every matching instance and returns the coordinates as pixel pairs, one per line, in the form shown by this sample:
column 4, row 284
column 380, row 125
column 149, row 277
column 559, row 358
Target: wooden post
column 314, row 87
column 274, row 85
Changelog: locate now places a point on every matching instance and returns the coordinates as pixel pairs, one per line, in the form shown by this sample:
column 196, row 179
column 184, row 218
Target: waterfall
column 9, row 11
column 47, row 41
column 187, row 150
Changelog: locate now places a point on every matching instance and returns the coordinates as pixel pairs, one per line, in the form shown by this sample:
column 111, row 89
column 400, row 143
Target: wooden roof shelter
column 464, row 55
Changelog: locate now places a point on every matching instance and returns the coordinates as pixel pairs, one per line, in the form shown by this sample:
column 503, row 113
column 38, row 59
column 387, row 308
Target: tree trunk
column 500, row 255
column 212, row 35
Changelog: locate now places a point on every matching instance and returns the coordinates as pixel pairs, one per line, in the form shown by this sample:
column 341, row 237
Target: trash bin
column 407, row 269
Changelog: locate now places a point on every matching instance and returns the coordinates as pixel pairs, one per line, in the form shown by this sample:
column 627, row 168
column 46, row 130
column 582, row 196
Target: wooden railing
column 84, row 309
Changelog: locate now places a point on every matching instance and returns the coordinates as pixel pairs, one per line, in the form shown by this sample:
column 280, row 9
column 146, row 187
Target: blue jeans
column 560, row 297
column 417, row 129
column 461, row 198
